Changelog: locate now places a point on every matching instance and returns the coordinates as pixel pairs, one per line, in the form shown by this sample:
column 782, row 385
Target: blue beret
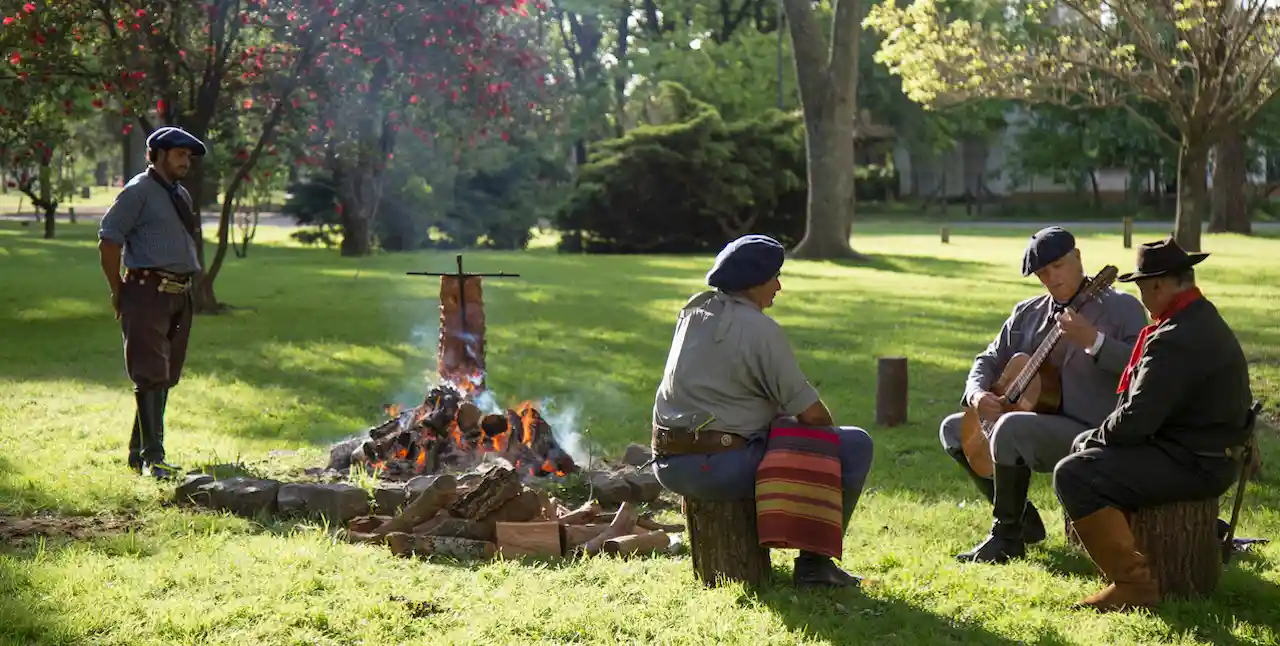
column 174, row 137
column 746, row 262
column 1046, row 246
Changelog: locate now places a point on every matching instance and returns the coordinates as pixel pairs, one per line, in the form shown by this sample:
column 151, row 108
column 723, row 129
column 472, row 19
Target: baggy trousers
column 1035, row 440
column 156, row 328
column 731, row 475
column 1094, row 477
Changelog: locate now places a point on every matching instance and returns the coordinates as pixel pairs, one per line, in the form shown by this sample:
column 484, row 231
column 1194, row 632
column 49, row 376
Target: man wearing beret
column 729, row 375
column 1182, row 419
column 1098, row 336
column 153, row 229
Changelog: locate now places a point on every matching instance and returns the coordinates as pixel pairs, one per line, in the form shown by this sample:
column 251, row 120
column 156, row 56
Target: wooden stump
column 891, row 391
column 1180, row 541
column 1128, row 232
column 946, row 235
column 724, row 543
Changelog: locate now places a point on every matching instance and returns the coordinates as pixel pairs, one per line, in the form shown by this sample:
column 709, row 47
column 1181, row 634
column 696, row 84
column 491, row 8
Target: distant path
column 1138, row 225
column 210, row 220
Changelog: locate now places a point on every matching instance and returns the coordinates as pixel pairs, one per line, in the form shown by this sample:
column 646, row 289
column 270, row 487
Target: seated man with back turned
column 730, row 374
column 1179, row 424
column 1097, row 341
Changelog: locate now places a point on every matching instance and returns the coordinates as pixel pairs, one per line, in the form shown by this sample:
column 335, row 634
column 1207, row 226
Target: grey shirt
column 1088, row 381
column 144, row 220
column 731, row 364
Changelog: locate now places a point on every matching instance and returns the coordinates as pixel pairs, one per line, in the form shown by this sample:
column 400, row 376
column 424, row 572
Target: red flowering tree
column 245, row 69
column 37, row 107
column 431, row 68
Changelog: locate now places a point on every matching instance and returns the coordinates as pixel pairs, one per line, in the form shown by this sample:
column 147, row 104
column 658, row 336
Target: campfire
column 460, row 476
column 450, row 432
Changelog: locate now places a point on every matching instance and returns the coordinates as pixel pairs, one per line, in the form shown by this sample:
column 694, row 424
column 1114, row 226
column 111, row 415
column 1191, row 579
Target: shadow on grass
column 850, row 616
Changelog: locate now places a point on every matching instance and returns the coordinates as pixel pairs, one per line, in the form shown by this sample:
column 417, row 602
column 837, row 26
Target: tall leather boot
column 1004, row 541
column 812, row 569
column 135, row 444
column 151, row 405
column 1033, row 530
column 1107, row 537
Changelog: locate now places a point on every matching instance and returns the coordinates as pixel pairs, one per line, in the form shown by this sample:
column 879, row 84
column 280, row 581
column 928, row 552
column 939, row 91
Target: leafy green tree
column 1209, row 65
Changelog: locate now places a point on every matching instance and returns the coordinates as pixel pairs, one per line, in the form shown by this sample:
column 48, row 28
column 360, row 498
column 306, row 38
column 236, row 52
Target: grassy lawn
column 322, row 343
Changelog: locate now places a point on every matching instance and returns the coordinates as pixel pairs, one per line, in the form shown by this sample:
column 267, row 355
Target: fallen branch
column 427, row 504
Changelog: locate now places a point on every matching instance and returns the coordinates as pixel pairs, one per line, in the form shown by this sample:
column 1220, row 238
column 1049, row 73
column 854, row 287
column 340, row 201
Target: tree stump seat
column 724, row 544
column 1180, row 541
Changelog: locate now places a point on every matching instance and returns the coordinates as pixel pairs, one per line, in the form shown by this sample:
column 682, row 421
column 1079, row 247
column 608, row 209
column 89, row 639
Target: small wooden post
column 891, row 391
column 1128, row 232
column 724, row 544
column 946, row 235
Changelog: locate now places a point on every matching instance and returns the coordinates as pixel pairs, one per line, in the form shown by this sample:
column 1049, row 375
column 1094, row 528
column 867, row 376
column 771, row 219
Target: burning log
column 496, row 487
column 636, row 543
column 624, row 521
column 437, row 496
column 530, row 539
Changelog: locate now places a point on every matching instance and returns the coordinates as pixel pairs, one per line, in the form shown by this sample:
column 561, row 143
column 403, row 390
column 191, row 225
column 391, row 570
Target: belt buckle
column 725, row 440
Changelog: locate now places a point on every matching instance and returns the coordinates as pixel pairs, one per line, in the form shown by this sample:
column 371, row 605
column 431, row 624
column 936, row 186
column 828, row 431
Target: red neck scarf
column 1179, row 302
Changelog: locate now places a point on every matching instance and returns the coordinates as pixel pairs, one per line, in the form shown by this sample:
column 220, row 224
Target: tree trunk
column 828, row 94
column 1229, row 201
column 1192, row 189
column 724, row 544
column 47, row 203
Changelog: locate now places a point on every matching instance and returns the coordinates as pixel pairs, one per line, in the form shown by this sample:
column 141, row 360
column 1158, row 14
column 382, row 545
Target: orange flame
column 392, row 410
column 528, row 420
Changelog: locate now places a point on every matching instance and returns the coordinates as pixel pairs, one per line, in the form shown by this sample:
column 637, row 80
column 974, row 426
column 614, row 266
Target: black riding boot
column 151, row 408
column 812, row 569
column 135, row 444
column 1005, row 541
column 1032, row 527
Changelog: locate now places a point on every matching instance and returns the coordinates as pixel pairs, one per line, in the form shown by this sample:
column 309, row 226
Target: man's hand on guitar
column 1077, row 328
column 988, row 406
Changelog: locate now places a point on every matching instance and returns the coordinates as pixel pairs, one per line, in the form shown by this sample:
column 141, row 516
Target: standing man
column 153, row 223
column 1097, row 340
column 1182, row 419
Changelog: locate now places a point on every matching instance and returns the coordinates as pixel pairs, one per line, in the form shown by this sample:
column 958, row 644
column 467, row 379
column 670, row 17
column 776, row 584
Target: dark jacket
column 1190, row 388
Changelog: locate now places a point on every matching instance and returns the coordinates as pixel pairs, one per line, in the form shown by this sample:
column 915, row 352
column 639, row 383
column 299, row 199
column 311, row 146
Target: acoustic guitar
column 1026, row 384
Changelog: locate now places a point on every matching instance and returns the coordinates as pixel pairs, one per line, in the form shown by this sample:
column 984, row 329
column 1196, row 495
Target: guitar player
column 1098, row 337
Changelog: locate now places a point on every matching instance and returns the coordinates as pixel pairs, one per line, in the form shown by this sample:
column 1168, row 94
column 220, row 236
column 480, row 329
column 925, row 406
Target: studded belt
column 673, row 441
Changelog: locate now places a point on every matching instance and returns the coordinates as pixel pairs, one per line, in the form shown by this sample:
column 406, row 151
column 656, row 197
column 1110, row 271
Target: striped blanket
column 798, row 490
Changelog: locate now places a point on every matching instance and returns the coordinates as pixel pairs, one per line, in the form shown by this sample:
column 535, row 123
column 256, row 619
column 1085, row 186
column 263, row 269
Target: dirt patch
column 15, row 529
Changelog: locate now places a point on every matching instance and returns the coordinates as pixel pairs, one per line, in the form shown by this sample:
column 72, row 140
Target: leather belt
column 680, row 441
column 166, row 281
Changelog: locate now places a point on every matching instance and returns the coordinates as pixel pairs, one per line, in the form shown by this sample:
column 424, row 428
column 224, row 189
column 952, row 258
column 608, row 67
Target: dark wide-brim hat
column 751, row 260
column 170, row 137
column 1160, row 258
column 1046, row 246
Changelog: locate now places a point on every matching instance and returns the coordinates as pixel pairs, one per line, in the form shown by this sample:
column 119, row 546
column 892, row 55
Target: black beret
column 746, row 262
column 174, row 137
column 1046, row 246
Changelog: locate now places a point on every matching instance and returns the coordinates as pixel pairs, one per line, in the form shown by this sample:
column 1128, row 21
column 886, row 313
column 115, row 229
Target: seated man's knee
column 856, row 441
column 1067, row 473
column 1010, row 432
column 949, row 432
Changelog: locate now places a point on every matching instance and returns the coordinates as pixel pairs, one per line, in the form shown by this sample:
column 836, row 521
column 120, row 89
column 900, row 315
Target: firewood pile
column 448, row 432
column 480, row 515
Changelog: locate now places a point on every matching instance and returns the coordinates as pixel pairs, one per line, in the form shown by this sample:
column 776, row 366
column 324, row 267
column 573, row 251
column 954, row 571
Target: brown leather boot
column 1108, row 539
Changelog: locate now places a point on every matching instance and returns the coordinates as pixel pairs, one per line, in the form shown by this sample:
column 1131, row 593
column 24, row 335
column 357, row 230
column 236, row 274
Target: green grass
column 322, row 343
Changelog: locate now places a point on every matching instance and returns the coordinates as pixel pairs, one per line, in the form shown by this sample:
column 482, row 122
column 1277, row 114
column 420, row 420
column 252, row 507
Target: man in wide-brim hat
column 1177, row 430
